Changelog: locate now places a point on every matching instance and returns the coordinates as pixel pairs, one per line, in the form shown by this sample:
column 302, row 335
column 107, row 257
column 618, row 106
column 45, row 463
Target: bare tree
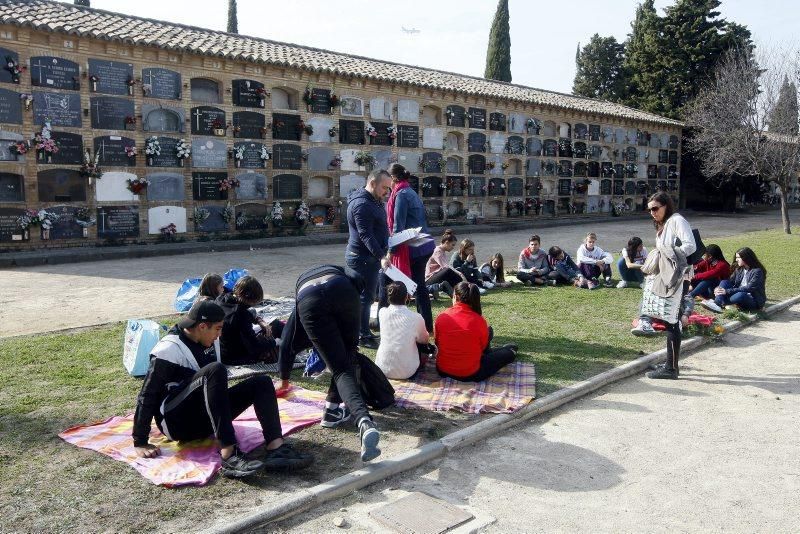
column 731, row 120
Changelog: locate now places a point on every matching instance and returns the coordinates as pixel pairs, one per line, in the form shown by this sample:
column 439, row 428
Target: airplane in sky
column 410, row 31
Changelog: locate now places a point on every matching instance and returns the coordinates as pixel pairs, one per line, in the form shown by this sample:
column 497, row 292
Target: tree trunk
column 785, row 210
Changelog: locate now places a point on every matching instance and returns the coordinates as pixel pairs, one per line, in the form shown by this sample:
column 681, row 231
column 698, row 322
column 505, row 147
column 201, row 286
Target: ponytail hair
column 468, row 294
column 448, row 237
column 399, row 172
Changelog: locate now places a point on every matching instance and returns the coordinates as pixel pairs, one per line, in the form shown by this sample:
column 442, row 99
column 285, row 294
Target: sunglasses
column 655, row 208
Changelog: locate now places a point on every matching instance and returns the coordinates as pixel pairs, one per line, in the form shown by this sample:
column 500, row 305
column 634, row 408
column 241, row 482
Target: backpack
column 376, row 389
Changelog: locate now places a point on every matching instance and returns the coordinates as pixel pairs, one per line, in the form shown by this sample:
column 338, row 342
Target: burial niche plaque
column 5, row 74
column 248, row 93
column 70, row 148
column 209, row 153
column 162, row 119
column 252, row 186
column 65, row 227
column 61, row 185
column 109, row 112
column 6, row 140
column 204, row 120
column 320, row 101
column 285, row 126
column 112, row 77
column 115, row 222
column 55, row 73
column 60, row 109
column 351, row 132
column 251, row 217
column 112, row 151
column 251, row 155
column 476, row 142
column 205, row 186
column 287, row 186
column 382, row 138
column 477, row 118
column 248, row 124
column 165, row 186
column 211, row 219
column 9, row 228
column 161, row 83
column 286, row 156
column 408, row 136
column 168, row 156
column 10, row 107
column 11, row 187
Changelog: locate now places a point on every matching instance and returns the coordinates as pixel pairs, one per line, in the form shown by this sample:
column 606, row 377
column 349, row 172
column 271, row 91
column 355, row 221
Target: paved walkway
column 49, row 297
column 715, row 451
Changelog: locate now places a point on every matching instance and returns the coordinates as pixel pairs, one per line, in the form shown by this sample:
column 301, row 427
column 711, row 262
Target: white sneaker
column 481, row 291
column 711, row 305
column 622, row 284
column 488, row 285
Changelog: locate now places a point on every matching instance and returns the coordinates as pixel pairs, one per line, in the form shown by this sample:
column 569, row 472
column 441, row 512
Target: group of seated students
column 720, row 284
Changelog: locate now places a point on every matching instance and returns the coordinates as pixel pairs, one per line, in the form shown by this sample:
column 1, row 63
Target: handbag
column 376, row 389
column 657, row 307
column 697, row 255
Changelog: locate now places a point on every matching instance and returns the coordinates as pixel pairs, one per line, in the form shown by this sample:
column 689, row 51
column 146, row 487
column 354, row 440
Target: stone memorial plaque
column 10, row 107
column 61, row 109
column 70, row 149
column 214, row 220
column 349, row 160
column 516, row 123
column 249, row 123
column 322, row 127
column 349, row 183
column 409, row 160
column 202, row 119
column 168, row 156
column 430, row 162
column 382, row 139
column 476, row 164
column 159, row 118
column 252, row 155
column 673, row 157
column 515, row 187
column 6, row 139
column 209, row 153
column 285, row 126
column 9, row 228
column 476, row 142
column 497, row 122
column 454, row 165
column 456, row 116
column 453, row 141
column 476, row 186
column 492, row 209
column 8, row 55
column 287, row 186
column 54, row 73
column 112, row 150
column 12, row 187
column 498, row 161
column 663, row 156
column 320, row 101
column 113, row 187
column 165, row 186
column 66, row 226
column 432, row 186
column 286, row 156
column 61, row 185
column 252, row 186
column 533, row 167
column 516, row 145
column 116, row 222
column 161, row 216
column 497, row 143
column 351, row 132
column 109, row 112
column 534, row 146
column 594, row 187
column 478, row 118
column 352, row 106
column 380, row 108
column 319, row 158
column 407, row 111
column 248, row 93
column 252, row 216
column 383, row 158
column 550, row 148
column 319, row 187
column 408, row 136
column 456, row 186
column 161, row 83
column 580, row 168
column 112, row 77
column 433, row 138
column 205, row 186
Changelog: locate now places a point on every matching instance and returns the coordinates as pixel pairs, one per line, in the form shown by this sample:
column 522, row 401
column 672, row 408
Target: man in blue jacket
column 368, row 242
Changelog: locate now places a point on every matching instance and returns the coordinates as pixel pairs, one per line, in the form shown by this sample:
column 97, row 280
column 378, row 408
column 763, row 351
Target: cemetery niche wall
column 217, row 139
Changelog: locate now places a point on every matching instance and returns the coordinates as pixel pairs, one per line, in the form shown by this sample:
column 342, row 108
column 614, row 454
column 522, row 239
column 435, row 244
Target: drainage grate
column 419, row 513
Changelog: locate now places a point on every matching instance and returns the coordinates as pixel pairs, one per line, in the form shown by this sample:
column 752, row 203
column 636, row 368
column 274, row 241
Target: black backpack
column 376, row 389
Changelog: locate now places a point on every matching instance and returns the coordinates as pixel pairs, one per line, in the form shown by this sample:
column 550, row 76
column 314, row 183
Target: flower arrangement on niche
column 20, row 148
column 228, row 183
column 265, row 154
column 392, row 132
column 130, row 122
column 336, row 162
column 27, row 100
column 83, row 218
column 13, row 66
column 276, row 215
column 201, row 215
column 168, row 232
column 93, row 79
column 238, row 154
column 91, row 166
column 330, row 215
column 307, row 98
column 42, row 218
column 364, row 159
column 302, row 214
column 152, row 147
column 333, row 131
column 182, row 150
column 218, row 127
column 130, row 151
column 228, row 213
column 44, row 144
column 137, row 185
column 333, row 101
column 371, row 131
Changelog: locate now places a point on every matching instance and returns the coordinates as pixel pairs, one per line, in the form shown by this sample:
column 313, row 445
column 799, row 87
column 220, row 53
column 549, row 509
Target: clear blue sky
column 452, row 33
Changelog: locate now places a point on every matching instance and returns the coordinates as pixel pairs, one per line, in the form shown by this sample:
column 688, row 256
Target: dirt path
column 715, row 451
column 40, row 299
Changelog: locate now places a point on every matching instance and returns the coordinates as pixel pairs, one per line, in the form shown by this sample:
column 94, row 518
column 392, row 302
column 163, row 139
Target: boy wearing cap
column 186, row 391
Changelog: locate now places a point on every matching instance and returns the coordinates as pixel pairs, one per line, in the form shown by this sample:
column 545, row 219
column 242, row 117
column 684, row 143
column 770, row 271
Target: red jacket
column 718, row 270
column 461, row 335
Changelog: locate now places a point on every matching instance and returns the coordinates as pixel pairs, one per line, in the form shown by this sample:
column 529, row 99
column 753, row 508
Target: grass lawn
column 51, row 382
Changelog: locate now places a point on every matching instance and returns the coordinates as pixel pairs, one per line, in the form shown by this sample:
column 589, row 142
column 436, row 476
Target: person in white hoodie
column 404, row 339
column 594, row 262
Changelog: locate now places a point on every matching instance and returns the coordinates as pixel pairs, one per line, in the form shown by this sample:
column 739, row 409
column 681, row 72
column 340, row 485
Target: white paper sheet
column 397, row 275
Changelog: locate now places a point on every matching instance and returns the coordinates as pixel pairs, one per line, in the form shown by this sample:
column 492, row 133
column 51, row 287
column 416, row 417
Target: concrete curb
column 308, row 498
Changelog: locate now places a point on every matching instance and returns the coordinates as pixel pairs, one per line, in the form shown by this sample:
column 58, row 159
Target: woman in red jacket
column 709, row 272
column 462, row 336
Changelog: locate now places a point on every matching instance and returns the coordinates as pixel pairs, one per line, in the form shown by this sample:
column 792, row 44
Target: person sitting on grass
column 594, row 262
column 563, row 269
column 462, row 336
column 186, row 391
column 746, row 288
column 398, row 355
column 533, row 267
column 211, row 286
column 463, row 261
column 439, row 276
column 240, row 344
column 494, row 271
column 709, row 272
column 630, row 264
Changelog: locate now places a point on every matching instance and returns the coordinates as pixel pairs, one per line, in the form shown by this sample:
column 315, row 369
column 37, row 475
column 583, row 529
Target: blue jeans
column 704, row 288
column 627, row 274
column 744, row 300
column 368, row 267
column 563, row 273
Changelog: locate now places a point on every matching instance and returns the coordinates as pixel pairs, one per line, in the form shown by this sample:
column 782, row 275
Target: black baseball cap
column 202, row 311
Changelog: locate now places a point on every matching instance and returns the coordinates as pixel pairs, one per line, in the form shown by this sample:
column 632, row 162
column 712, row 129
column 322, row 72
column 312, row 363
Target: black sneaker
column 237, row 465
column 663, row 373
column 333, row 417
column 660, row 366
column 368, row 342
column 286, row 458
column 369, row 440
column 608, row 282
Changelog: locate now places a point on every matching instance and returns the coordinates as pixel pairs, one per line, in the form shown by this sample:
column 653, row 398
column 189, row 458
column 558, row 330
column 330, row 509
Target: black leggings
column 674, row 337
column 207, row 406
column 492, row 361
column 445, row 274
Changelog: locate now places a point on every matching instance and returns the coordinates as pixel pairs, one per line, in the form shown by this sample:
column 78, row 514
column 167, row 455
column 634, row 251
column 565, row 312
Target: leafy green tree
column 233, row 20
column 599, row 69
column 498, row 54
column 784, row 116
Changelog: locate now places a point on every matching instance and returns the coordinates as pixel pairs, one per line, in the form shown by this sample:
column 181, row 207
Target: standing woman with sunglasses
column 672, row 230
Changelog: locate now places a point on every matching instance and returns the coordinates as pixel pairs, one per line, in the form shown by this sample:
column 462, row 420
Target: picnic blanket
column 194, row 462
column 510, row 389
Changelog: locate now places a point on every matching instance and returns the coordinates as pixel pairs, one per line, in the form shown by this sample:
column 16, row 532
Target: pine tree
column 784, row 117
column 498, row 54
column 233, row 21
column 599, row 69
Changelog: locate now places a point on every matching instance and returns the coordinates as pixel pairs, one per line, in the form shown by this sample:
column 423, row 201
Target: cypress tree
column 85, row 3
column 641, row 58
column 784, row 116
column 599, row 69
column 498, row 54
column 233, row 21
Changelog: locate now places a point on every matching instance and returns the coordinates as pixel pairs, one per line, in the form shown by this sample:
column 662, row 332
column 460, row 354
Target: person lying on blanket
column 186, row 391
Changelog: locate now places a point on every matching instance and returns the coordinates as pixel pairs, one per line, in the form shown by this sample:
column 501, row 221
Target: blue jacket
column 409, row 211
column 366, row 219
column 756, row 285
